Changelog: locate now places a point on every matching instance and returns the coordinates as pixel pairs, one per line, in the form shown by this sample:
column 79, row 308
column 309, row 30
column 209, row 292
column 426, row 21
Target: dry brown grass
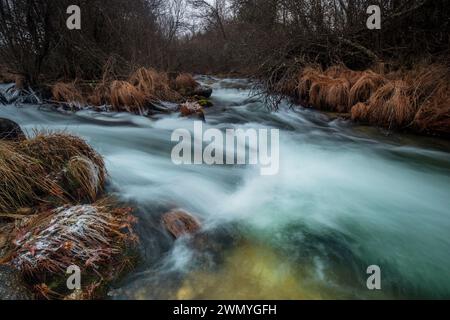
column 367, row 84
column 360, row 112
column 153, row 85
column 417, row 98
column 318, row 94
column 143, row 86
column 340, row 71
column 147, row 81
column 185, row 82
column 329, row 94
column 307, row 78
column 335, row 71
column 59, row 154
column 23, row 180
column 90, row 236
column 434, row 114
column 392, row 105
column 125, row 96
column 337, row 95
column 66, row 92
column 54, row 150
column 84, row 178
column 100, row 95
column 49, row 169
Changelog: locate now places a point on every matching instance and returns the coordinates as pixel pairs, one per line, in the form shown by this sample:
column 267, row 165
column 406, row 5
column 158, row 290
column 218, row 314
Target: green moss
column 205, row 103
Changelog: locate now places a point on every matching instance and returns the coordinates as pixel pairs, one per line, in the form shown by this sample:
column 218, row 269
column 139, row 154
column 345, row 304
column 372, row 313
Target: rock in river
column 179, row 222
column 203, row 91
column 9, row 130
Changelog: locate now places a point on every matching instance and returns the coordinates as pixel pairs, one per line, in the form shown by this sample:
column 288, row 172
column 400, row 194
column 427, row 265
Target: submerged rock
column 12, row 286
column 179, row 222
column 203, row 91
column 9, row 130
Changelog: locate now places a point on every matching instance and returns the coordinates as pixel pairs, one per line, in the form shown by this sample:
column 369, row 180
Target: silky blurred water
column 346, row 197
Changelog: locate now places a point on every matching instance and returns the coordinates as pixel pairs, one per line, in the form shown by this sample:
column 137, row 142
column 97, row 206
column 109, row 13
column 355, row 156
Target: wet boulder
column 179, row 223
column 12, row 286
column 9, row 130
column 203, row 91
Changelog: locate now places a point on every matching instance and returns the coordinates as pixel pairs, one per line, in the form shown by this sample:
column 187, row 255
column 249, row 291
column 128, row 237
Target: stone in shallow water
column 179, row 222
column 9, row 130
column 203, row 91
column 12, row 286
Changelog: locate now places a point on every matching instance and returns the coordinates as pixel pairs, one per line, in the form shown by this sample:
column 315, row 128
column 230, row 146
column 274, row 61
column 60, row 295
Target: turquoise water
column 346, row 197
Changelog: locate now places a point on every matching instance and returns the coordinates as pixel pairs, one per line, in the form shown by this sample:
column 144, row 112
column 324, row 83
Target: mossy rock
column 205, row 103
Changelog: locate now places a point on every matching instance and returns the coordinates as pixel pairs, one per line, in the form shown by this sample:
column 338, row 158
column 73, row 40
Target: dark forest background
column 252, row 37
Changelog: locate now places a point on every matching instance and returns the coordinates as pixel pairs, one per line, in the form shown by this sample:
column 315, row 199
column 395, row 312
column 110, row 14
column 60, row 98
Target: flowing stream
column 346, row 197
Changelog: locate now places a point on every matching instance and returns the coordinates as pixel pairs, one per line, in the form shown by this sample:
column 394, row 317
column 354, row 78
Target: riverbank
column 57, row 218
column 416, row 100
column 54, row 214
column 140, row 93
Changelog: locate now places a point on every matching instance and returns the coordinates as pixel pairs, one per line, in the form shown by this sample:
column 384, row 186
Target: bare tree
column 213, row 13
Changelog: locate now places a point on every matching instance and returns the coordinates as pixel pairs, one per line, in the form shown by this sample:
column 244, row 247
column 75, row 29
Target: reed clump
column 134, row 94
column 100, row 95
column 93, row 237
column 67, row 92
column 337, row 94
column 365, row 87
column 306, row 79
column 126, row 97
column 24, row 181
column 53, row 150
column 84, row 178
column 360, row 112
column 433, row 115
column 185, row 82
column 392, row 106
column 154, row 85
column 49, row 169
column 61, row 168
column 416, row 99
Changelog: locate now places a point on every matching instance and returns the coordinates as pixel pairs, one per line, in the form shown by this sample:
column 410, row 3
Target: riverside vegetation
column 416, row 100
column 55, row 210
column 54, row 214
